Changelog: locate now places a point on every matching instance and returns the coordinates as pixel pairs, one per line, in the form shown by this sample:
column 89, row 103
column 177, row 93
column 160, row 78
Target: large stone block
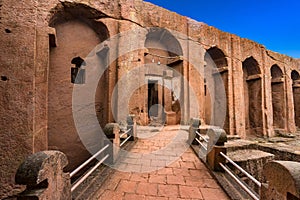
column 283, row 178
column 43, row 175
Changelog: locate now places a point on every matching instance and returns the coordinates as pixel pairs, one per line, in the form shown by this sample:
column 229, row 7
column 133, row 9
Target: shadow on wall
column 253, row 97
column 77, row 33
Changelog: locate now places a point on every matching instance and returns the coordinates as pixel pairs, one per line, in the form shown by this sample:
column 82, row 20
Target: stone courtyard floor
column 160, row 166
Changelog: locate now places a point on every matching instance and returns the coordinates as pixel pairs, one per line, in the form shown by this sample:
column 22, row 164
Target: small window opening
column 7, row 31
column 77, row 73
column 4, row 78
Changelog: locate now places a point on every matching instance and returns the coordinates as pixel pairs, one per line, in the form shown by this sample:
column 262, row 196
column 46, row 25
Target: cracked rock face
column 36, row 88
column 283, row 179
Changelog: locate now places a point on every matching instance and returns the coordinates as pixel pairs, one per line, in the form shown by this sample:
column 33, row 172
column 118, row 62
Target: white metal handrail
column 242, row 170
column 203, row 146
column 202, row 137
column 254, row 196
column 126, row 132
column 88, row 173
column 125, row 140
column 88, row 161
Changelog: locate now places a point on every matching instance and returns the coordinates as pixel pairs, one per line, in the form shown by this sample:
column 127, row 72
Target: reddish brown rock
column 43, row 175
column 40, row 38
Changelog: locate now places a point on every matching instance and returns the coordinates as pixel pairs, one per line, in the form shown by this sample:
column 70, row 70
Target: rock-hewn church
column 46, row 48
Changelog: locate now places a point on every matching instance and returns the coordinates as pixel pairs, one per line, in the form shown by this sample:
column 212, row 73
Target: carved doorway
column 152, row 99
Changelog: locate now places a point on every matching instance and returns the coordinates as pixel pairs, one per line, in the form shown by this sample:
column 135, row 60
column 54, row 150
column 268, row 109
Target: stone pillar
column 238, row 94
column 43, row 175
column 112, row 26
column 264, row 96
column 283, row 181
column 291, row 125
column 268, row 111
column 131, row 55
column 230, row 95
column 285, row 102
column 167, row 83
column 185, row 94
column 40, row 135
column 170, row 115
column 217, row 139
column 194, row 52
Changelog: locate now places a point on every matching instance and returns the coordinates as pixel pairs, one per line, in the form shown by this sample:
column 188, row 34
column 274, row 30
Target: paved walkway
column 160, row 166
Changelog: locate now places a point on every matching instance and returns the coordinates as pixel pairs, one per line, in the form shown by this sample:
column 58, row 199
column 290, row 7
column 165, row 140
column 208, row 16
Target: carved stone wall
column 35, row 88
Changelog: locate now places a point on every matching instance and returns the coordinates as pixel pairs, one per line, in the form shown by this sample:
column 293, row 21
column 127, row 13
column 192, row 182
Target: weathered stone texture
column 253, row 162
column 17, row 69
column 283, row 180
column 159, row 17
column 43, row 175
column 36, row 88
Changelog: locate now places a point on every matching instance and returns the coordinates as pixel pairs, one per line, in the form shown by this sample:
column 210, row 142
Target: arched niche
column 163, row 48
column 219, row 76
column 77, row 33
column 252, row 97
column 296, row 95
column 218, row 57
column 278, row 97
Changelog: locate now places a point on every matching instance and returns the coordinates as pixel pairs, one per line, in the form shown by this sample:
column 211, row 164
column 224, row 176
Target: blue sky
column 272, row 23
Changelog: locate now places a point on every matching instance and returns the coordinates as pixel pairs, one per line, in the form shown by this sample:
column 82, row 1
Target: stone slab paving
column 160, row 166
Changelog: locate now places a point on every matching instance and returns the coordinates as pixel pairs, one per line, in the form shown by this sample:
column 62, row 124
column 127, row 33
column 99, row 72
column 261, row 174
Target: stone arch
column 164, row 48
column 77, row 34
column 296, row 95
column 252, row 97
column 68, row 11
column 218, row 57
column 278, row 97
column 295, row 75
column 276, row 72
column 220, row 62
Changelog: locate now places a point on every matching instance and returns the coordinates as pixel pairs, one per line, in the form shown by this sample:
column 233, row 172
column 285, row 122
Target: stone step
column 252, row 161
column 240, row 144
column 233, row 190
column 245, row 155
column 91, row 185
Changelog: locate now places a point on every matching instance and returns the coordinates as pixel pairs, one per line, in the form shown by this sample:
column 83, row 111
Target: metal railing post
column 131, row 125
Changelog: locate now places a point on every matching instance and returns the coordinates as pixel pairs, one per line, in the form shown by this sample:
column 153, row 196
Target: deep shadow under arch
column 278, row 97
column 220, row 64
column 77, row 33
column 296, row 95
column 164, row 49
column 252, row 97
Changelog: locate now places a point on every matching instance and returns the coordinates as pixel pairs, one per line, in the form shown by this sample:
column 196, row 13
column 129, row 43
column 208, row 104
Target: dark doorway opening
column 278, row 97
column 253, row 97
column 296, row 94
column 153, row 98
